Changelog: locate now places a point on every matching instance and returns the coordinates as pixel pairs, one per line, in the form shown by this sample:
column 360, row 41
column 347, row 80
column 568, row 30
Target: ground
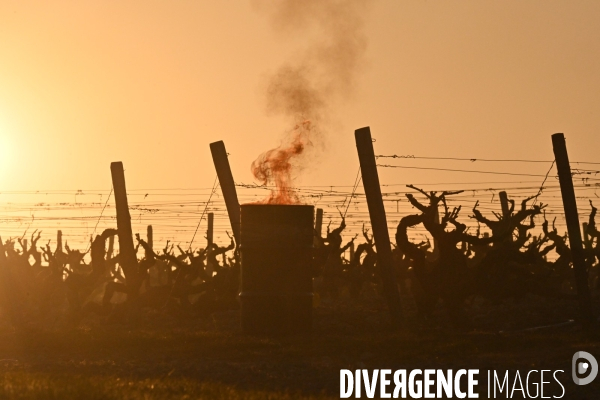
column 163, row 357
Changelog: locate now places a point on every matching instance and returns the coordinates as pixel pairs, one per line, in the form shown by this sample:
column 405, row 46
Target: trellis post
column 570, row 207
column 219, row 155
column 385, row 262
column 504, row 204
column 209, row 230
column 318, row 226
column 127, row 257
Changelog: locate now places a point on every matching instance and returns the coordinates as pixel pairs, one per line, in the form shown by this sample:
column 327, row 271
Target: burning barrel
column 275, row 248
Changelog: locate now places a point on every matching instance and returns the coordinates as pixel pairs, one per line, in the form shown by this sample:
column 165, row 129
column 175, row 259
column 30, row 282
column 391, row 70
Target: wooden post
column 209, row 241
column 319, row 222
column 150, row 236
column 352, row 252
column 219, row 155
column 59, row 245
column 127, row 257
column 575, row 243
column 385, row 262
column 318, row 226
column 149, row 239
column 505, row 214
column 209, row 230
column 504, row 204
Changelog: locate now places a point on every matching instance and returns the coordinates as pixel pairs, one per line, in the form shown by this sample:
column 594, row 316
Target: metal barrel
column 276, row 253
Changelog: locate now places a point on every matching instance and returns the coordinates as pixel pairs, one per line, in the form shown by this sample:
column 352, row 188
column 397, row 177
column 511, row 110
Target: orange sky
column 152, row 83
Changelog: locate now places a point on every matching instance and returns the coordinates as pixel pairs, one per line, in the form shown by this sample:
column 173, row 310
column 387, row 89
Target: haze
column 151, row 84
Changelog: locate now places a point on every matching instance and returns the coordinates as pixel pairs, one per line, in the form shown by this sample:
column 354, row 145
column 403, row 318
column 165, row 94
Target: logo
column 584, row 364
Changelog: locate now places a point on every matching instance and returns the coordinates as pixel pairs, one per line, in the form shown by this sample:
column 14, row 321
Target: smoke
column 305, row 89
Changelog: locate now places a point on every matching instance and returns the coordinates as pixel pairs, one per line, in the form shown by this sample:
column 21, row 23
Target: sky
column 152, row 83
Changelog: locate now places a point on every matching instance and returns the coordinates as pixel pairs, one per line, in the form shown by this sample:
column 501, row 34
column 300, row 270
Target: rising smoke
column 305, row 89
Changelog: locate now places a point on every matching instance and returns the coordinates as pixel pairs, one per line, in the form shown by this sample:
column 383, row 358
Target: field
column 164, row 323
column 163, row 357
column 186, row 186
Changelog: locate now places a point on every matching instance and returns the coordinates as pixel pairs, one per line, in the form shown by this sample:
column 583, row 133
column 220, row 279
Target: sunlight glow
column 5, row 153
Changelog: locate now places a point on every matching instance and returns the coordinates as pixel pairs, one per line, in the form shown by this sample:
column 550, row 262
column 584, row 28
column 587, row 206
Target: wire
column 100, row 217
column 176, row 212
column 356, row 183
column 214, row 188
column 460, row 159
column 457, row 170
column 542, row 185
column 410, row 156
column 28, row 226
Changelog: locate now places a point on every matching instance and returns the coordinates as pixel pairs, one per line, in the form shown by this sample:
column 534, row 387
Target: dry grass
column 164, row 358
column 47, row 386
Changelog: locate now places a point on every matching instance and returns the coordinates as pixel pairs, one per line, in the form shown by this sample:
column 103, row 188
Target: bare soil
column 177, row 357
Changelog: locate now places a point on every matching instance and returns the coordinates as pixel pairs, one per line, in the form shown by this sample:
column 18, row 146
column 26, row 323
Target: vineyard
column 144, row 283
column 281, row 200
column 452, row 242
column 178, row 213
